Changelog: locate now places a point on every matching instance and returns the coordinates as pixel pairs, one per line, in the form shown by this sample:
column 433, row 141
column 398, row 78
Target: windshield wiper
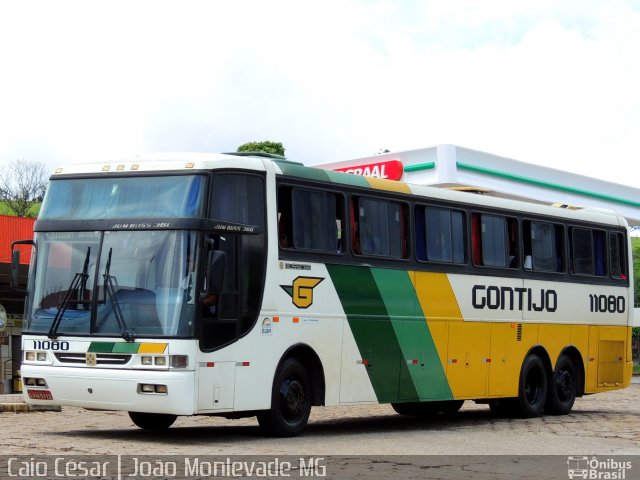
column 128, row 334
column 78, row 286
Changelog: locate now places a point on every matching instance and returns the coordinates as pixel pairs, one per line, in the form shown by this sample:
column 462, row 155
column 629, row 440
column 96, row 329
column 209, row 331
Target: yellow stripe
column 389, row 185
column 152, row 348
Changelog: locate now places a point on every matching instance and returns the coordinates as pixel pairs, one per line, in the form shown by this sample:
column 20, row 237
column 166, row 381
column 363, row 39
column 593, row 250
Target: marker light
column 179, row 361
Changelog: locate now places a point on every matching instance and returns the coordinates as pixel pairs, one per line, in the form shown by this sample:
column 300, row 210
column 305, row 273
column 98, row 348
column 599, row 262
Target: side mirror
column 216, row 262
column 14, row 273
column 15, row 269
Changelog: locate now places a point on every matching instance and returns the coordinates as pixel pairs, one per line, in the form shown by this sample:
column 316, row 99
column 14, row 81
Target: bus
column 245, row 285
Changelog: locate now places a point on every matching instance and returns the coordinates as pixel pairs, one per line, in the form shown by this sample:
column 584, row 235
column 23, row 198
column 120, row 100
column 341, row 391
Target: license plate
column 40, row 394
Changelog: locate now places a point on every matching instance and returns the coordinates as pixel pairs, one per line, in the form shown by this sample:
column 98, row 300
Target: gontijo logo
column 301, row 290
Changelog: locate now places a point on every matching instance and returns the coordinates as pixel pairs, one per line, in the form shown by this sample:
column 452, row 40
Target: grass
column 636, row 369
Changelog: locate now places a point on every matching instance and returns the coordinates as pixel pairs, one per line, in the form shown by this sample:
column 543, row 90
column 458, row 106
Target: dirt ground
column 600, row 424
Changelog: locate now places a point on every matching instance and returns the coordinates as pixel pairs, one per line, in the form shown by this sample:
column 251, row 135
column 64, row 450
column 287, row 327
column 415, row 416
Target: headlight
column 161, row 361
column 146, row 360
column 30, row 356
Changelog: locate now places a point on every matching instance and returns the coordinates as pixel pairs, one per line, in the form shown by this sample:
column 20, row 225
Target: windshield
column 124, row 197
column 107, row 282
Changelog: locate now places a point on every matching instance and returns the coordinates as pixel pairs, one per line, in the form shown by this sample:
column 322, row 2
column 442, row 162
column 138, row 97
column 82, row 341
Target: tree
column 22, row 185
column 273, row 148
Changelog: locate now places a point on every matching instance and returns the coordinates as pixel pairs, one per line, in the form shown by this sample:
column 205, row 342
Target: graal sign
column 391, row 170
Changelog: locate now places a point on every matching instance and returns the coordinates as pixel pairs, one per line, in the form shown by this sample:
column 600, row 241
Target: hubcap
column 564, row 385
column 292, row 399
column 533, row 388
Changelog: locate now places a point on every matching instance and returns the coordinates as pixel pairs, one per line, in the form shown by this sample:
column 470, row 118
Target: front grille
column 101, row 358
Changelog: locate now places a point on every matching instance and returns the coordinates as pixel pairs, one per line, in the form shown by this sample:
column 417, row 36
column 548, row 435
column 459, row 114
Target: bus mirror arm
column 215, row 271
column 14, row 274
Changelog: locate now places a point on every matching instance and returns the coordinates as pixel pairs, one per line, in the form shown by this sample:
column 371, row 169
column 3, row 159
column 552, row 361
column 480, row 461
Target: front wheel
column 290, row 401
column 532, row 390
column 562, row 388
column 152, row 421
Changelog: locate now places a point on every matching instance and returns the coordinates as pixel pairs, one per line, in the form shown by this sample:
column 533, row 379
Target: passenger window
column 310, row 220
column 494, row 241
column 543, row 247
column 588, row 252
column 617, row 256
column 440, row 235
column 379, row 228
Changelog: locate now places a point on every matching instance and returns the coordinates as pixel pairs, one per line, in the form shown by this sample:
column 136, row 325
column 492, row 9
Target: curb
column 15, row 404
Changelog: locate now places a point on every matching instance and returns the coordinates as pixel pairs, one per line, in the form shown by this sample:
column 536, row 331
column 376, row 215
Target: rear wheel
column 562, row 388
column 532, row 391
column 290, row 402
column 152, row 421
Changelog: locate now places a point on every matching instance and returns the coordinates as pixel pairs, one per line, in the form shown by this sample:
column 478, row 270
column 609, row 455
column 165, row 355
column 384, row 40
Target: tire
column 152, row 421
column 503, row 407
column 411, row 409
column 450, row 407
column 532, row 389
column 428, row 409
column 562, row 388
column 290, row 401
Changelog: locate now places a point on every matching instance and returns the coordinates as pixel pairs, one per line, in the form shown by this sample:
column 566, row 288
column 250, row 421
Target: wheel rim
column 292, row 400
column 533, row 387
column 564, row 385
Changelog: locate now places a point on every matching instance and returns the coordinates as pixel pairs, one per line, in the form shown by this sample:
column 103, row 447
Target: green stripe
column 303, row 172
column 113, row 347
column 101, row 347
column 420, row 166
column 426, row 379
column 391, row 331
column 372, row 329
column 347, row 179
column 540, row 183
column 126, row 347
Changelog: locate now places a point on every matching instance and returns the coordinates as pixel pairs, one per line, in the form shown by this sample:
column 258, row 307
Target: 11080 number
column 607, row 304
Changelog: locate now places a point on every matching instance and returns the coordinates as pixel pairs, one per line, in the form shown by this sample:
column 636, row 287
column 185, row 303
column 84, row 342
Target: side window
column 543, row 244
column 494, row 240
column 316, row 220
column 617, row 256
column 379, row 228
column 310, row 220
column 440, row 235
column 582, row 251
column 588, row 249
column 238, row 198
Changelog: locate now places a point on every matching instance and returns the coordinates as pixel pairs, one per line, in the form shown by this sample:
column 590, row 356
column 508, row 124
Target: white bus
column 240, row 285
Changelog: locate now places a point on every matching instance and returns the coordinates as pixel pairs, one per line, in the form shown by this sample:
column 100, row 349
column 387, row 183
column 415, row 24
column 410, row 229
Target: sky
column 550, row 82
